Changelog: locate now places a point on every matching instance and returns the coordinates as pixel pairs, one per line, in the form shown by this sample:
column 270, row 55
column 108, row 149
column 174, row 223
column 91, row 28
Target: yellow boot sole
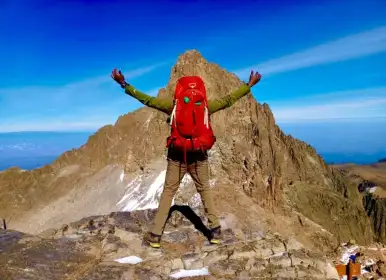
column 155, row 245
column 215, row 241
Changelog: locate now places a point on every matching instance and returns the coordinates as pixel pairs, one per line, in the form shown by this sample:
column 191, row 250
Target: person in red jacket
column 191, row 138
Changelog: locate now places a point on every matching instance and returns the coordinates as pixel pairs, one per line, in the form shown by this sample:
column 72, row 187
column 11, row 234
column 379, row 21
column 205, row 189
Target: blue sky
column 320, row 62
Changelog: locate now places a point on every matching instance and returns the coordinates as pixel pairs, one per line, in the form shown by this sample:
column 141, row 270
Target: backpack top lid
column 189, row 82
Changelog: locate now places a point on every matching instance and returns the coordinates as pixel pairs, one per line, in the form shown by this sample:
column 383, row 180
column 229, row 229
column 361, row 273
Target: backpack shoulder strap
column 206, row 115
column 173, row 114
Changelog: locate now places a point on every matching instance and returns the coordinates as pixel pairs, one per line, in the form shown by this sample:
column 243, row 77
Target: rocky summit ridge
column 110, row 247
column 262, row 178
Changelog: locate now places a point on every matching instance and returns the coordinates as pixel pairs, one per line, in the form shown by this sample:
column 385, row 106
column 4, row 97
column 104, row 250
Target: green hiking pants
column 199, row 171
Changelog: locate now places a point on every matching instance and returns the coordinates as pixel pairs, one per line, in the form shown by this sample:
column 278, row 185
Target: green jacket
column 166, row 104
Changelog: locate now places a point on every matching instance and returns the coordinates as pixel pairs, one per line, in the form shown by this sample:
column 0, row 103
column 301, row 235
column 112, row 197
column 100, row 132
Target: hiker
column 191, row 138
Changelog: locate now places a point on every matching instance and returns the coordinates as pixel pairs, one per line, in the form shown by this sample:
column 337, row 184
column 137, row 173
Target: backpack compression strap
column 173, row 115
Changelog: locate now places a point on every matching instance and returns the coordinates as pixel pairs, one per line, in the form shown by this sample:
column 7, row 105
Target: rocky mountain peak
column 191, row 57
column 192, row 63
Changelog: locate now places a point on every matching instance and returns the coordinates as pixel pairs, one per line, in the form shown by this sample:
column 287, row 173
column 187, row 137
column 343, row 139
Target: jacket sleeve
column 228, row 100
column 162, row 104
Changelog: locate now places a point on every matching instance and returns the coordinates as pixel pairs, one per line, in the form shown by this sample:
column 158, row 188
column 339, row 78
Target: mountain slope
column 371, row 181
column 280, row 179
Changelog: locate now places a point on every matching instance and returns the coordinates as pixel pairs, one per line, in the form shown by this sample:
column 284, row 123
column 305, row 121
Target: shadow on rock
column 189, row 214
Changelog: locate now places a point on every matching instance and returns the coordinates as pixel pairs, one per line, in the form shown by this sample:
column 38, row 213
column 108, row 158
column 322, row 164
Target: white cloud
column 57, row 125
column 358, row 104
column 83, row 105
column 71, row 90
column 353, row 46
column 362, row 103
column 96, row 81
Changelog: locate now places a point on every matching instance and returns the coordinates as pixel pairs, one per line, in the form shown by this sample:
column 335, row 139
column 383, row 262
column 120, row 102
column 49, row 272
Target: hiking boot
column 152, row 239
column 215, row 235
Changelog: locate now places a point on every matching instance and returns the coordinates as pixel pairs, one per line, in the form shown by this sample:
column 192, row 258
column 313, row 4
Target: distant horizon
column 30, row 163
column 278, row 123
column 30, row 149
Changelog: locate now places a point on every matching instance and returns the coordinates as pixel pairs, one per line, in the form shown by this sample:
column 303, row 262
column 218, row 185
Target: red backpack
column 190, row 123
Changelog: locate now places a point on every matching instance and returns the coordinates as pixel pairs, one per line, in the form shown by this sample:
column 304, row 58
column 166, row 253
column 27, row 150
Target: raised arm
column 230, row 99
column 162, row 104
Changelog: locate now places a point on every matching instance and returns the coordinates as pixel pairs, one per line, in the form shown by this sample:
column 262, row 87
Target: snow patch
column 154, row 189
column 74, row 236
column 129, row 260
column 186, row 180
column 372, row 248
column 195, row 201
column 365, row 265
column 28, row 269
column 369, row 262
column 140, row 196
column 278, row 254
column 121, row 177
column 135, row 182
column 373, row 189
column 190, row 273
column 348, row 252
